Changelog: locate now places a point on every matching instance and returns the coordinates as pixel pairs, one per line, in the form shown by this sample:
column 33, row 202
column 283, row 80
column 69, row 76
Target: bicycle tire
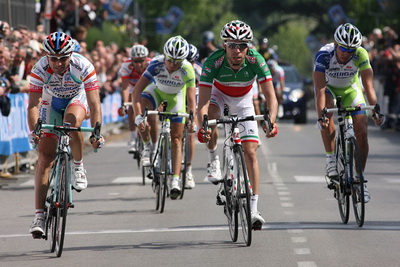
column 229, row 209
column 341, row 191
column 164, row 173
column 243, row 198
column 185, row 160
column 156, row 167
column 138, row 152
column 50, row 218
column 357, row 186
column 62, row 203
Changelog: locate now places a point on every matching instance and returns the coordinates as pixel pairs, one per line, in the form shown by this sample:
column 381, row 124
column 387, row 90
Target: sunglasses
column 62, row 58
column 141, row 60
column 240, row 46
column 175, row 61
column 346, row 49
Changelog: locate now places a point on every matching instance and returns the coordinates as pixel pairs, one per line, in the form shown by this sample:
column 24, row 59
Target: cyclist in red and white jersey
column 227, row 78
column 130, row 72
column 63, row 87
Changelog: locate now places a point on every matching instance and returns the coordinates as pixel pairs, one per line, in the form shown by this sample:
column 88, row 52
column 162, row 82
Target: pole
column 9, row 12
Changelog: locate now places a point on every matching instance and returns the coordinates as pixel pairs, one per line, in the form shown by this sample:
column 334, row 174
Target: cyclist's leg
column 176, row 147
column 75, row 113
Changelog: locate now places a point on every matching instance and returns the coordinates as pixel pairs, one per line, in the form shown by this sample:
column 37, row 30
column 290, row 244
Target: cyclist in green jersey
column 336, row 70
column 227, row 79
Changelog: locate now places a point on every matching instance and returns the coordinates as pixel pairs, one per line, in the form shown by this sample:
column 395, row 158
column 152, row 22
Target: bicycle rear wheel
column 357, row 184
column 61, row 204
column 185, row 160
column 163, row 174
column 341, row 190
column 243, row 196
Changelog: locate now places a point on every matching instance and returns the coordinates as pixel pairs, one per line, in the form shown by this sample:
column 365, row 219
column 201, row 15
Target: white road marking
column 29, row 183
column 306, row 264
column 302, row 251
column 299, row 239
column 127, row 180
column 310, row 179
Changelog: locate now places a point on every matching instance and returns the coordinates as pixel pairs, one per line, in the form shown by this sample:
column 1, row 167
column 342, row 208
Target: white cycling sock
column 253, row 203
column 330, row 156
column 212, row 153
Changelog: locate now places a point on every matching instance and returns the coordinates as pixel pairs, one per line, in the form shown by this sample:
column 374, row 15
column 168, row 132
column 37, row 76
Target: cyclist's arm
column 124, row 91
column 320, row 86
column 33, row 109
column 204, row 102
column 191, row 99
column 93, row 98
column 367, row 78
column 137, row 92
column 270, row 96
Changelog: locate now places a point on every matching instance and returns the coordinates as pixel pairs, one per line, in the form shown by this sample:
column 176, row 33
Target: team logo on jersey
column 218, row 63
column 207, row 69
column 252, row 60
column 262, row 64
column 246, row 74
column 45, row 102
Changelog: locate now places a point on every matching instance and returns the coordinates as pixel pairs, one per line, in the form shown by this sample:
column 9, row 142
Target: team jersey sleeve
column 320, row 62
column 259, row 66
column 209, row 69
column 37, row 76
column 190, row 77
column 89, row 77
column 124, row 71
column 363, row 59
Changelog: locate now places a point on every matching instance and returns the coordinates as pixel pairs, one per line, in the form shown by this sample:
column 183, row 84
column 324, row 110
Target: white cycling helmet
column 176, row 48
column 58, row 43
column 139, row 51
column 236, row 30
column 193, row 54
column 348, row 35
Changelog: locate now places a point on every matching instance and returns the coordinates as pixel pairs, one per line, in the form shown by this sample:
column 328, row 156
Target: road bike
column 59, row 197
column 235, row 188
column 161, row 162
column 185, row 156
column 137, row 153
column 350, row 181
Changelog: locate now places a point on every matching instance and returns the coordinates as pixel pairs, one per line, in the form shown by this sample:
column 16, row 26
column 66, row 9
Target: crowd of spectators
column 20, row 49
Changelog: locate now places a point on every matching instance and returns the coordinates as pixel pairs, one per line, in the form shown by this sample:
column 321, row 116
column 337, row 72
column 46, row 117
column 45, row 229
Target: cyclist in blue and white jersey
column 63, row 87
column 336, row 73
column 169, row 78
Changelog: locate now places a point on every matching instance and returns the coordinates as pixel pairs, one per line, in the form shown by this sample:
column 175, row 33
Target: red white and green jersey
column 216, row 71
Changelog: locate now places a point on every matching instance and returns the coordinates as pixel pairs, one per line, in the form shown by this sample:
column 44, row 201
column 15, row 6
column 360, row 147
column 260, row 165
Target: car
column 294, row 96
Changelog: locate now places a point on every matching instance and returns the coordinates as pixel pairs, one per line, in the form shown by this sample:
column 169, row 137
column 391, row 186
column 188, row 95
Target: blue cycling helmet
column 193, row 53
column 58, row 43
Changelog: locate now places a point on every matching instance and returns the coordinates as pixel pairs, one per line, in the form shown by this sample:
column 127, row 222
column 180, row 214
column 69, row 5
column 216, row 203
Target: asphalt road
column 114, row 222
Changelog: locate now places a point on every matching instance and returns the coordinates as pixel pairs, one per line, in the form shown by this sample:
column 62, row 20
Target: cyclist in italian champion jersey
column 63, row 87
column 227, row 78
column 130, row 72
column 337, row 68
column 173, row 82
column 192, row 58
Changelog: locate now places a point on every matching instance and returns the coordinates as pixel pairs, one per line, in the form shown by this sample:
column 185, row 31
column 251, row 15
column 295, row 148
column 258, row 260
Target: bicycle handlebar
column 340, row 110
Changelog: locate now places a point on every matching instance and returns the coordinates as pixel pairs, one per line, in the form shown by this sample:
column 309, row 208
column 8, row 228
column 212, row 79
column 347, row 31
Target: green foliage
column 290, row 39
column 109, row 32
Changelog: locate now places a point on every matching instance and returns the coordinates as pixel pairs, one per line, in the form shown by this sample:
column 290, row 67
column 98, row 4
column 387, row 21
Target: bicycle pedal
column 37, row 235
column 257, row 226
column 331, row 186
column 220, row 201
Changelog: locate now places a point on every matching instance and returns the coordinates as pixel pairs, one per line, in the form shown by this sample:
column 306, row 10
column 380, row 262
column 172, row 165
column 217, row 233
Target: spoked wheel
column 357, row 187
column 163, row 174
column 243, row 193
column 342, row 190
column 230, row 210
column 156, row 181
column 61, row 206
column 50, row 212
column 185, row 160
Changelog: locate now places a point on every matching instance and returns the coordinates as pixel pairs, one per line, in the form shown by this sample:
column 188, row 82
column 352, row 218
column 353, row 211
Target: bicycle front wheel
column 243, row 195
column 50, row 232
column 357, row 184
column 341, row 190
column 230, row 208
column 62, row 203
column 185, row 160
column 164, row 174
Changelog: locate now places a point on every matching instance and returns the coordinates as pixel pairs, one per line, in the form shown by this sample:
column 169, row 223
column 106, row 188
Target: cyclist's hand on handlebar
column 140, row 122
column 204, row 136
column 97, row 142
column 192, row 127
column 34, row 137
column 122, row 111
column 273, row 132
column 322, row 123
column 379, row 119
